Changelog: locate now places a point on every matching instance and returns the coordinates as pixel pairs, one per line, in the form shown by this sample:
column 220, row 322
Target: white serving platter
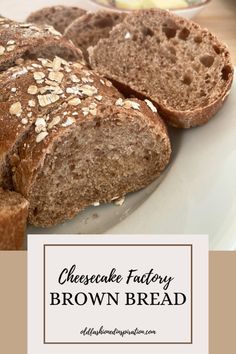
column 195, row 195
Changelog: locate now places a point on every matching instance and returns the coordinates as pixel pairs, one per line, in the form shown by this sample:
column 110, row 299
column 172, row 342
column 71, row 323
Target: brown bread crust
column 205, row 73
column 60, row 17
column 31, row 90
column 13, row 218
column 20, row 40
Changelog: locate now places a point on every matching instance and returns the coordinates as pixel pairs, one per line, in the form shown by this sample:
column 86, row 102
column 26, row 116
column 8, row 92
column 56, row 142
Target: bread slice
column 57, row 16
column 30, row 91
column 184, row 69
column 13, row 217
column 22, row 40
column 86, row 30
column 99, row 151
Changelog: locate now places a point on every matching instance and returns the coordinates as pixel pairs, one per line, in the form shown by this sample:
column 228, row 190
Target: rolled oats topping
column 37, row 66
column 108, row 83
column 56, row 120
column 74, row 78
column 31, row 103
column 51, row 89
column 40, row 125
column 56, row 76
column 88, row 90
column 87, row 80
column 52, row 30
column 73, row 90
column 56, row 64
column 45, row 100
column 24, row 121
column 74, row 101
column 98, row 98
column 16, row 109
column 11, row 42
column 85, row 111
column 10, row 48
column 131, row 104
column 151, row 106
column 39, row 75
column 24, row 25
column 45, row 62
column 2, row 50
column 120, row 102
column 32, row 90
column 79, row 65
column 51, row 83
column 19, row 73
column 41, row 136
column 91, row 109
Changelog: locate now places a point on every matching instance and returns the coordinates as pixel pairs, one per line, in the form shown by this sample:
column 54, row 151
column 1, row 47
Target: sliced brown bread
column 21, row 40
column 32, row 90
column 13, row 217
column 88, row 29
column 92, row 152
column 184, row 69
column 57, row 16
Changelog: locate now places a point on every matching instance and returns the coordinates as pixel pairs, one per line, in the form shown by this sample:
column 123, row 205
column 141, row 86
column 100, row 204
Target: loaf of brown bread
column 184, row 69
column 13, row 217
column 89, row 152
column 31, row 90
column 59, row 17
column 22, row 40
column 86, row 30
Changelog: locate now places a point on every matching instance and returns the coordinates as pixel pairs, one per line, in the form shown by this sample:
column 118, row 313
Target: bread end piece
column 13, row 219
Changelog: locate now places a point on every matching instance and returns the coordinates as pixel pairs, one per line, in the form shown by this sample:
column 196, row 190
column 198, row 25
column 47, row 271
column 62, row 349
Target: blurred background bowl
column 185, row 8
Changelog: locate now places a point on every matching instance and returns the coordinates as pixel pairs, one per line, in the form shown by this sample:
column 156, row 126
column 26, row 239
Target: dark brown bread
column 184, row 69
column 98, row 151
column 88, row 29
column 21, row 40
column 60, row 17
column 13, row 217
column 32, row 90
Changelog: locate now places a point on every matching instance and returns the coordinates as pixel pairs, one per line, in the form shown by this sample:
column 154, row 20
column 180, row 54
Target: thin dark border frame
column 116, row 245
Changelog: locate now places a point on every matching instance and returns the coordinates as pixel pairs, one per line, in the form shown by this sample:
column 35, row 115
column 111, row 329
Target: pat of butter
column 142, row 4
column 170, row 4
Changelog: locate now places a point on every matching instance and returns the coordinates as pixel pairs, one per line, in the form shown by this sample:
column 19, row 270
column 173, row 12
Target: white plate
column 196, row 194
